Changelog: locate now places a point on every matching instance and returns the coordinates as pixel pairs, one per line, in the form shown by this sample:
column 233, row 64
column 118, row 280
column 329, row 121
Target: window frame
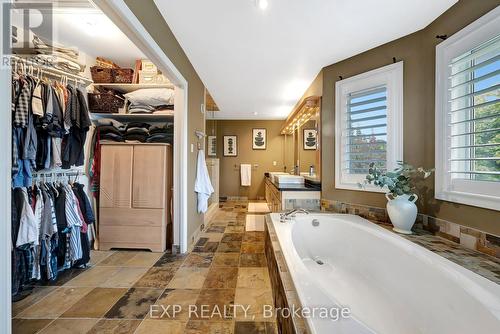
column 390, row 76
column 471, row 192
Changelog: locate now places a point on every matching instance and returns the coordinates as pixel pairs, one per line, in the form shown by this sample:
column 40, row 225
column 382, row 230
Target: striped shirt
column 75, row 222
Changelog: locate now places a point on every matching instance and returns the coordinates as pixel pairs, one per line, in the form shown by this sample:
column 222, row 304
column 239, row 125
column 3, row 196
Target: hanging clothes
column 50, row 124
column 73, row 152
column 50, row 121
column 89, row 218
column 21, row 257
column 49, row 231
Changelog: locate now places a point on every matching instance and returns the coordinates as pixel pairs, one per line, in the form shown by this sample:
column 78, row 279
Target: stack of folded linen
column 150, row 101
column 139, row 108
column 110, row 130
column 58, row 56
column 160, row 133
column 136, row 132
column 161, row 138
column 167, row 109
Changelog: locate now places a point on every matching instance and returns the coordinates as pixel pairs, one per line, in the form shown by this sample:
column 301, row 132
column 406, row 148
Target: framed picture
column 259, row 139
column 230, row 146
column 310, row 140
column 212, row 146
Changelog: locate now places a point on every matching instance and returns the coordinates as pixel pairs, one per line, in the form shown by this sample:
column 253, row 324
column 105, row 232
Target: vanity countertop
column 307, row 186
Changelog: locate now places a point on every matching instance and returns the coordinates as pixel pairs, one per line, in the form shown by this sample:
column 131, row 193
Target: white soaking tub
column 390, row 284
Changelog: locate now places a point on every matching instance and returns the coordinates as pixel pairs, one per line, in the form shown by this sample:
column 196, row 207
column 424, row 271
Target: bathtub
column 390, row 284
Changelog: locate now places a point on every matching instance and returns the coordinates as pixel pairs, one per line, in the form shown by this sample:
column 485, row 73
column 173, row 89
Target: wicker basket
column 101, row 74
column 122, row 75
column 105, row 102
column 103, row 62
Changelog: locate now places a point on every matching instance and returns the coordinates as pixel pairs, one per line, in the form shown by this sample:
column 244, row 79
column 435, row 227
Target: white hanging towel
column 202, row 185
column 246, row 175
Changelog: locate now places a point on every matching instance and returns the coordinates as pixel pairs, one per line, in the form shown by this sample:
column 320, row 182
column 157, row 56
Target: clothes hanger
column 52, row 185
column 76, row 176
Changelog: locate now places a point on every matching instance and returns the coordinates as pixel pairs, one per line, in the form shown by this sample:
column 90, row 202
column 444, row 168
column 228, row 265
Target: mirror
column 303, row 148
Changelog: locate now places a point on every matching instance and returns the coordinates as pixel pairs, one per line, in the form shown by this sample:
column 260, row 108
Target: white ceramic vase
column 402, row 212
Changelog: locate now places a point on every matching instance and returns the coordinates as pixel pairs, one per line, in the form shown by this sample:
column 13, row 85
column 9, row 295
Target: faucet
column 285, row 216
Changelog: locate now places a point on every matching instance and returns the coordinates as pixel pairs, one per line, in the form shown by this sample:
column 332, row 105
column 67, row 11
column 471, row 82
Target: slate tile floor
column 227, row 266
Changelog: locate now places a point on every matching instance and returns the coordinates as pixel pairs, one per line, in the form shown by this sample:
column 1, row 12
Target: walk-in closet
column 92, row 158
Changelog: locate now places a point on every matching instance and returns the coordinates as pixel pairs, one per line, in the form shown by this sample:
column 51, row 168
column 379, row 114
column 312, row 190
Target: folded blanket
column 138, row 125
column 138, row 131
column 160, row 138
column 111, row 137
column 133, row 136
column 104, row 129
column 109, row 121
column 161, row 128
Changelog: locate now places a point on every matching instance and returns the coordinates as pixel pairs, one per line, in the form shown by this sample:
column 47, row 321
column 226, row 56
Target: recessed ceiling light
column 255, row 113
column 262, row 4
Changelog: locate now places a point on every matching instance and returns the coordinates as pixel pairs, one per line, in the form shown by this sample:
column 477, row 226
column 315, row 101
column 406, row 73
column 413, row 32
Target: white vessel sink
column 288, row 178
column 272, row 174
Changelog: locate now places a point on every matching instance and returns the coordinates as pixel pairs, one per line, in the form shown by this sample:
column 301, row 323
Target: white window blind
column 366, row 129
column 468, row 114
column 368, row 125
column 474, row 113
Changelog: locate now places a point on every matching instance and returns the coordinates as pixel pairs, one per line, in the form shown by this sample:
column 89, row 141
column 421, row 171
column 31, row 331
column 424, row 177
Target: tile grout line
column 211, row 266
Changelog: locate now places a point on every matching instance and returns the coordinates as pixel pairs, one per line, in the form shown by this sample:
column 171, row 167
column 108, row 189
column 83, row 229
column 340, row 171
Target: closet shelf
column 131, row 143
column 127, row 88
column 94, row 116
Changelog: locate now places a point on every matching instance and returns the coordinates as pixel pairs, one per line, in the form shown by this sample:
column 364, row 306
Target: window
column 368, row 125
column 468, row 114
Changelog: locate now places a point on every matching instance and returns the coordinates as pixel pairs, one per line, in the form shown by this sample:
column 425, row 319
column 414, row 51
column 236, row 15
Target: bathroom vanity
column 286, row 196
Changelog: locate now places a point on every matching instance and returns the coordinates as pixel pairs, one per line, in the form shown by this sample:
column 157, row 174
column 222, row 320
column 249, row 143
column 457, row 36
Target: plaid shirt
column 23, row 105
column 15, row 154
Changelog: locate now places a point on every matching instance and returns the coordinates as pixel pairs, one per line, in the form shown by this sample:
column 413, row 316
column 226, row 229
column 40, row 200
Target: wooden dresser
column 135, row 194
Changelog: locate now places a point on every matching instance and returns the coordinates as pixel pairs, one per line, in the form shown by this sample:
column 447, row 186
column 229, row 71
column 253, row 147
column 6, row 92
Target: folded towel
column 202, row 186
column 246, row 175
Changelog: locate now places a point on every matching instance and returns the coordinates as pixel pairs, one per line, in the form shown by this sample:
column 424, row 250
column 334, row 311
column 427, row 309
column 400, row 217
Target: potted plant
column 401, row 195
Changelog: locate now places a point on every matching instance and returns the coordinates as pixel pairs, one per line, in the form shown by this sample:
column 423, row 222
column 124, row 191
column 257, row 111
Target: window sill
column 356, row 187
column 481, row 201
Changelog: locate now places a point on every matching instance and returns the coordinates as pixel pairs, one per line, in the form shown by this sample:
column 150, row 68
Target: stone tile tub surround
column 465, row 236
column 284, row 292
column 433, row 284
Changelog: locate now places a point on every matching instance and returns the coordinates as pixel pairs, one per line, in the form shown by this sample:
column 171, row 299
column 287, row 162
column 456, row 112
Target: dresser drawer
column 153, row 238
column 131, row 217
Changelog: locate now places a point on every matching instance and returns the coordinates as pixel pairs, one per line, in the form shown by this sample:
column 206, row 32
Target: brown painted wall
column 148, row 14
column 229, row 175
column 418, row 53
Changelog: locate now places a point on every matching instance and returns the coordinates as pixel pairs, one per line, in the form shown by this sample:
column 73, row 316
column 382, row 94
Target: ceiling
column 77, row 23
column 258, row 63
column 95, row 34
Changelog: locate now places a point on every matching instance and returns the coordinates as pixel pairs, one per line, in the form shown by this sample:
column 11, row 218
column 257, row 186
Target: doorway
column 123, row 18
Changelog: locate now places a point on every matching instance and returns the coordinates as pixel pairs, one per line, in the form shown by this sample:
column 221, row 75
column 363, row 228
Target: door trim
column 122, row 16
